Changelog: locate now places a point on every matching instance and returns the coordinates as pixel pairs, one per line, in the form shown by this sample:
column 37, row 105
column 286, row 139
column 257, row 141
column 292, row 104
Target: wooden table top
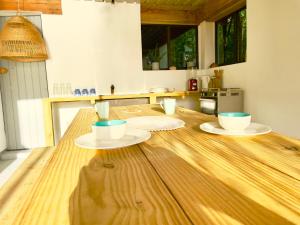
column 179, row 177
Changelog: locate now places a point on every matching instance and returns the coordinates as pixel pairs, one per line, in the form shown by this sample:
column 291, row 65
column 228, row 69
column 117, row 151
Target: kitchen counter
column 48, row 104
column 184, row 176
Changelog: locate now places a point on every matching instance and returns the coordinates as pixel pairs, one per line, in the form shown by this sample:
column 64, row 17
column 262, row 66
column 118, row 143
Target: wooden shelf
column 125, row 96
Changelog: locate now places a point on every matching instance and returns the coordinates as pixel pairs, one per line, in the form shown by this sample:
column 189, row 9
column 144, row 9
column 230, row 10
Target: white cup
column 168, row 105
column 102, row 108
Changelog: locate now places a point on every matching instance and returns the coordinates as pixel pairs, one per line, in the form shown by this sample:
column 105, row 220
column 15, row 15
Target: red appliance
column 192, row 84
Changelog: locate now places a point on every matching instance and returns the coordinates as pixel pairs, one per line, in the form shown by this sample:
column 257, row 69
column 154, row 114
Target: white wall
column 206, row 42
column 95, row 44
column 271, row 76
column 173, row 79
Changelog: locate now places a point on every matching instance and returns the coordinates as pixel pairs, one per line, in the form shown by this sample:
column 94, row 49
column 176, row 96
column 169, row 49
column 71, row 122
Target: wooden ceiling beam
column 160, row 16
column 190, row 5
column 214, row 10
column 211, row 10
column 44, row 6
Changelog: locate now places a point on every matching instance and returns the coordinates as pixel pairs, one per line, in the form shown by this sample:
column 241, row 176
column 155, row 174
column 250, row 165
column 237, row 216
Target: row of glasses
column 62, row 89
column 84, row 92
column 65, row 89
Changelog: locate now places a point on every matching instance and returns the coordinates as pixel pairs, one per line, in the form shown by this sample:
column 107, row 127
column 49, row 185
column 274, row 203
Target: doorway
column 22, row 89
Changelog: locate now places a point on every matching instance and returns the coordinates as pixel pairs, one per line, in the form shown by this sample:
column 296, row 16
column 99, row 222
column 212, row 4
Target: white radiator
column 2, row 133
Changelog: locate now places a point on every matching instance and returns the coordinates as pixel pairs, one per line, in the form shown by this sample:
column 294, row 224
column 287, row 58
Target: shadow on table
column 87, row 204
column 90, row 202
column 207, row 192
column 157, row 108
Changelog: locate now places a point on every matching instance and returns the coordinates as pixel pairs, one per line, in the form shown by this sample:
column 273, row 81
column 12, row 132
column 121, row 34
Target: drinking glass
column 56, row 89
column 68, row 89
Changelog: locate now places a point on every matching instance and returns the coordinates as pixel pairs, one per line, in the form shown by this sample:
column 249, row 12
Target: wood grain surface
column 21, row 182
column 82, row 186
column 230, row 180
column 45, row 6
column 183, row 176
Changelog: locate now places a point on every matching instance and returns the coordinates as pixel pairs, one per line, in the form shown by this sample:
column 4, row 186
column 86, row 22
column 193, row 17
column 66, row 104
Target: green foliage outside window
column 171, row 45
column 184, row 49
column 231, row 38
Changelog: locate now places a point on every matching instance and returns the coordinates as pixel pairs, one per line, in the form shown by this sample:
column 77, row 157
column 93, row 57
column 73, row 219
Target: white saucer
column 132, row 137
column 253, row 129
column 155, row 123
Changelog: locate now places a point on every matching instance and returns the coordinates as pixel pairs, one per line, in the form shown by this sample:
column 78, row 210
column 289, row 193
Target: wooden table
column 179, row 177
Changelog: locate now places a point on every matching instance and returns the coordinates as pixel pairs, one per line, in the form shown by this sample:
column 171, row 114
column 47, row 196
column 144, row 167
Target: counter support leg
column 48, row 123
column 152, row 100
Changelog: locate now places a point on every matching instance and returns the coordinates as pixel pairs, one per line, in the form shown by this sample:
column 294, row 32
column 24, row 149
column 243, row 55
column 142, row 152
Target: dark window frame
column 237, row 38
column 168, row 34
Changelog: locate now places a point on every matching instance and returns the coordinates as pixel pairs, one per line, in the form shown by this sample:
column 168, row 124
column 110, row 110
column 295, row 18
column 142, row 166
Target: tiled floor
column 4, row 164
column 10, row 162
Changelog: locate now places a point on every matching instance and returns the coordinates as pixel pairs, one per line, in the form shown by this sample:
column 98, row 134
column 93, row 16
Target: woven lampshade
column 3, row 70
column 21, row 41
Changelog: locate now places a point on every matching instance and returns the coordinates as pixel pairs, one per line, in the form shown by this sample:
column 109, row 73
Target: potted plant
column 190, row 59
column 190, row 52
column 155, row 57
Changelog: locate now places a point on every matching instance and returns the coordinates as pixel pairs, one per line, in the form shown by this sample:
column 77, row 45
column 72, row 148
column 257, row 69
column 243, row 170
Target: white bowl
column 110, row 129
column 234, row 121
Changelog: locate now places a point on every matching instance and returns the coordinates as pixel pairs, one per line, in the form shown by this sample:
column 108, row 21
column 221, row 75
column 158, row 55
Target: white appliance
column 2, row 133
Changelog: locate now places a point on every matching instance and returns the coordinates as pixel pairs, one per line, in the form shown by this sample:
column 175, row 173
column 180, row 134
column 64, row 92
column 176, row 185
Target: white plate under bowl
column 252, row 130
column 132, row 137
column 155, row 123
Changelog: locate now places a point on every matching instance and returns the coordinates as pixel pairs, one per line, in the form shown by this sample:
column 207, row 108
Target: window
column 231, row 38
column 171, row 46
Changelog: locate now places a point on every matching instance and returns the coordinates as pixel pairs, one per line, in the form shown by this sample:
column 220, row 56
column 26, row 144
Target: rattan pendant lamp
column 21, row 41
column 3, row 70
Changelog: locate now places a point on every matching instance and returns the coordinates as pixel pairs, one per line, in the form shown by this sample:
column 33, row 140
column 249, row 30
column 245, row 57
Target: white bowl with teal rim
column 109, row 129
column 234, row 121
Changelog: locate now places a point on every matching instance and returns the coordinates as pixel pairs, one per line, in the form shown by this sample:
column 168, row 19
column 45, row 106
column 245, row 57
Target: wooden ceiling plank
column 44, row 6
column 187, row 12
column 172, row 4
column 159, row 16
column 217, row 9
